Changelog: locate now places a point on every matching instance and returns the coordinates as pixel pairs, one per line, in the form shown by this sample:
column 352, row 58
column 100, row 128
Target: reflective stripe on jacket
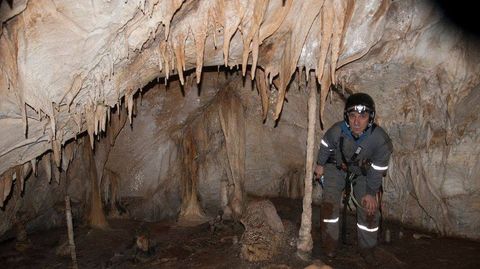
column 376, row 147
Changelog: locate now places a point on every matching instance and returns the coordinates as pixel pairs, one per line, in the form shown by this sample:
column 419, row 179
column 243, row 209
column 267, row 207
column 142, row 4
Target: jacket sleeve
column 380, row 160
column 327, row 145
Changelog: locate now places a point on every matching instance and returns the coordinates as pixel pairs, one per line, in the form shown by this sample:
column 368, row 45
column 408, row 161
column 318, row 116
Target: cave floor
column 215, row 246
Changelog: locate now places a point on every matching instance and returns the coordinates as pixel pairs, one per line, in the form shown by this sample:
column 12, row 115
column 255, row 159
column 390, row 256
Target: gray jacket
column 374, row 148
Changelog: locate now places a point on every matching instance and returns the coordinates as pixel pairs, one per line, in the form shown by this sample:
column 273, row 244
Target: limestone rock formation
column 264, row 231
column 67, row 68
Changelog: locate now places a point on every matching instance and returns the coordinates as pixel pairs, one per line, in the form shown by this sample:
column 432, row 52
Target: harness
column 349, row 182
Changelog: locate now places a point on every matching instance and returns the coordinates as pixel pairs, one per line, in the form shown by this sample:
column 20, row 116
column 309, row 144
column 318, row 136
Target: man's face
column 358, row 121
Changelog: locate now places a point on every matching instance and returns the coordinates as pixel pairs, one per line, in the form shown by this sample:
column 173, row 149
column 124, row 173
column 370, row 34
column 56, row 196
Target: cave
column 183, row 133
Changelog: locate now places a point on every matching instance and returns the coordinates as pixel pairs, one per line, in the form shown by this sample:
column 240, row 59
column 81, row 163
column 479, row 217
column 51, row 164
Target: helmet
column 360, row 102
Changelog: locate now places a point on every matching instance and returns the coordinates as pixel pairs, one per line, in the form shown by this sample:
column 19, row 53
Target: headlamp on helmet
column 361, row 103
column 359, row 108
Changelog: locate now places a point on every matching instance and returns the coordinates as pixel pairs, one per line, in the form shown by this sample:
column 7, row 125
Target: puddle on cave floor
column 204, row 247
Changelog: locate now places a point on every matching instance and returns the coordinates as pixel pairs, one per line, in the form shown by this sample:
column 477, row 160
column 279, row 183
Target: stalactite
column 255, row 48
column 68, row 155
column 294, row 43
column 170, row 7
column 7, row 180
column 179, row 49
column 90, row 119
column 129, row 101
column 200, row 38
column 109, row 113
column 2, row 187
column 327, row 15
column 77, row 118
column 250, row 27
column 273, row 23
column 53, row 123
column 95, row 120
column 165, row 57
column 56, row 174
column 232, row 13
column 100, row 118
column 70, row 95
column 263, row 89
column 57, row 151
column 34, row 166
column 24, row 119
column 284, row 77
column 47, row 166
column 104, row 117
column 158, row 54
column 337, row 34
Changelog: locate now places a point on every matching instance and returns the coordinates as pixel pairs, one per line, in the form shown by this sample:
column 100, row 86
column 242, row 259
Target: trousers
column 333, row 186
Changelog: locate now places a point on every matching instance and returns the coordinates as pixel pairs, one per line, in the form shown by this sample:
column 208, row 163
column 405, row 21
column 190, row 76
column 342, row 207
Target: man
column 355, row 145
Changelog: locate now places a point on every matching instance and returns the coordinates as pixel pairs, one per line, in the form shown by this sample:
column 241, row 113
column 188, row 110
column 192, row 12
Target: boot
column 368, row 255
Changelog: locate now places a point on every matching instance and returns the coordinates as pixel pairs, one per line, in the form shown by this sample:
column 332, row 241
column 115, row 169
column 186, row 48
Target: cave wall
column 40, row 203
column 424, row 76
column 422, row 73
column 146, row 155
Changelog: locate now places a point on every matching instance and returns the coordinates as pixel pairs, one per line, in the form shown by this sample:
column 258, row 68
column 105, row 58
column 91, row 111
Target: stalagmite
column 232, row 120
column 305, row 242
column 71, row 240
column 96, row 216
column 191, row 211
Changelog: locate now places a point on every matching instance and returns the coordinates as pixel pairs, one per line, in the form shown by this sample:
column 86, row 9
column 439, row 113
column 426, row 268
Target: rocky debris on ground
column 264, row 231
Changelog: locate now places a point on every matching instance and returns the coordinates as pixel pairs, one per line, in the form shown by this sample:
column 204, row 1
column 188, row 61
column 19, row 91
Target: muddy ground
column 215, row 245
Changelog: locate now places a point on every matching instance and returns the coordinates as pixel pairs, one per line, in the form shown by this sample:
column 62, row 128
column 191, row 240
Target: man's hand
column 318, row 172
column 370, row 204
